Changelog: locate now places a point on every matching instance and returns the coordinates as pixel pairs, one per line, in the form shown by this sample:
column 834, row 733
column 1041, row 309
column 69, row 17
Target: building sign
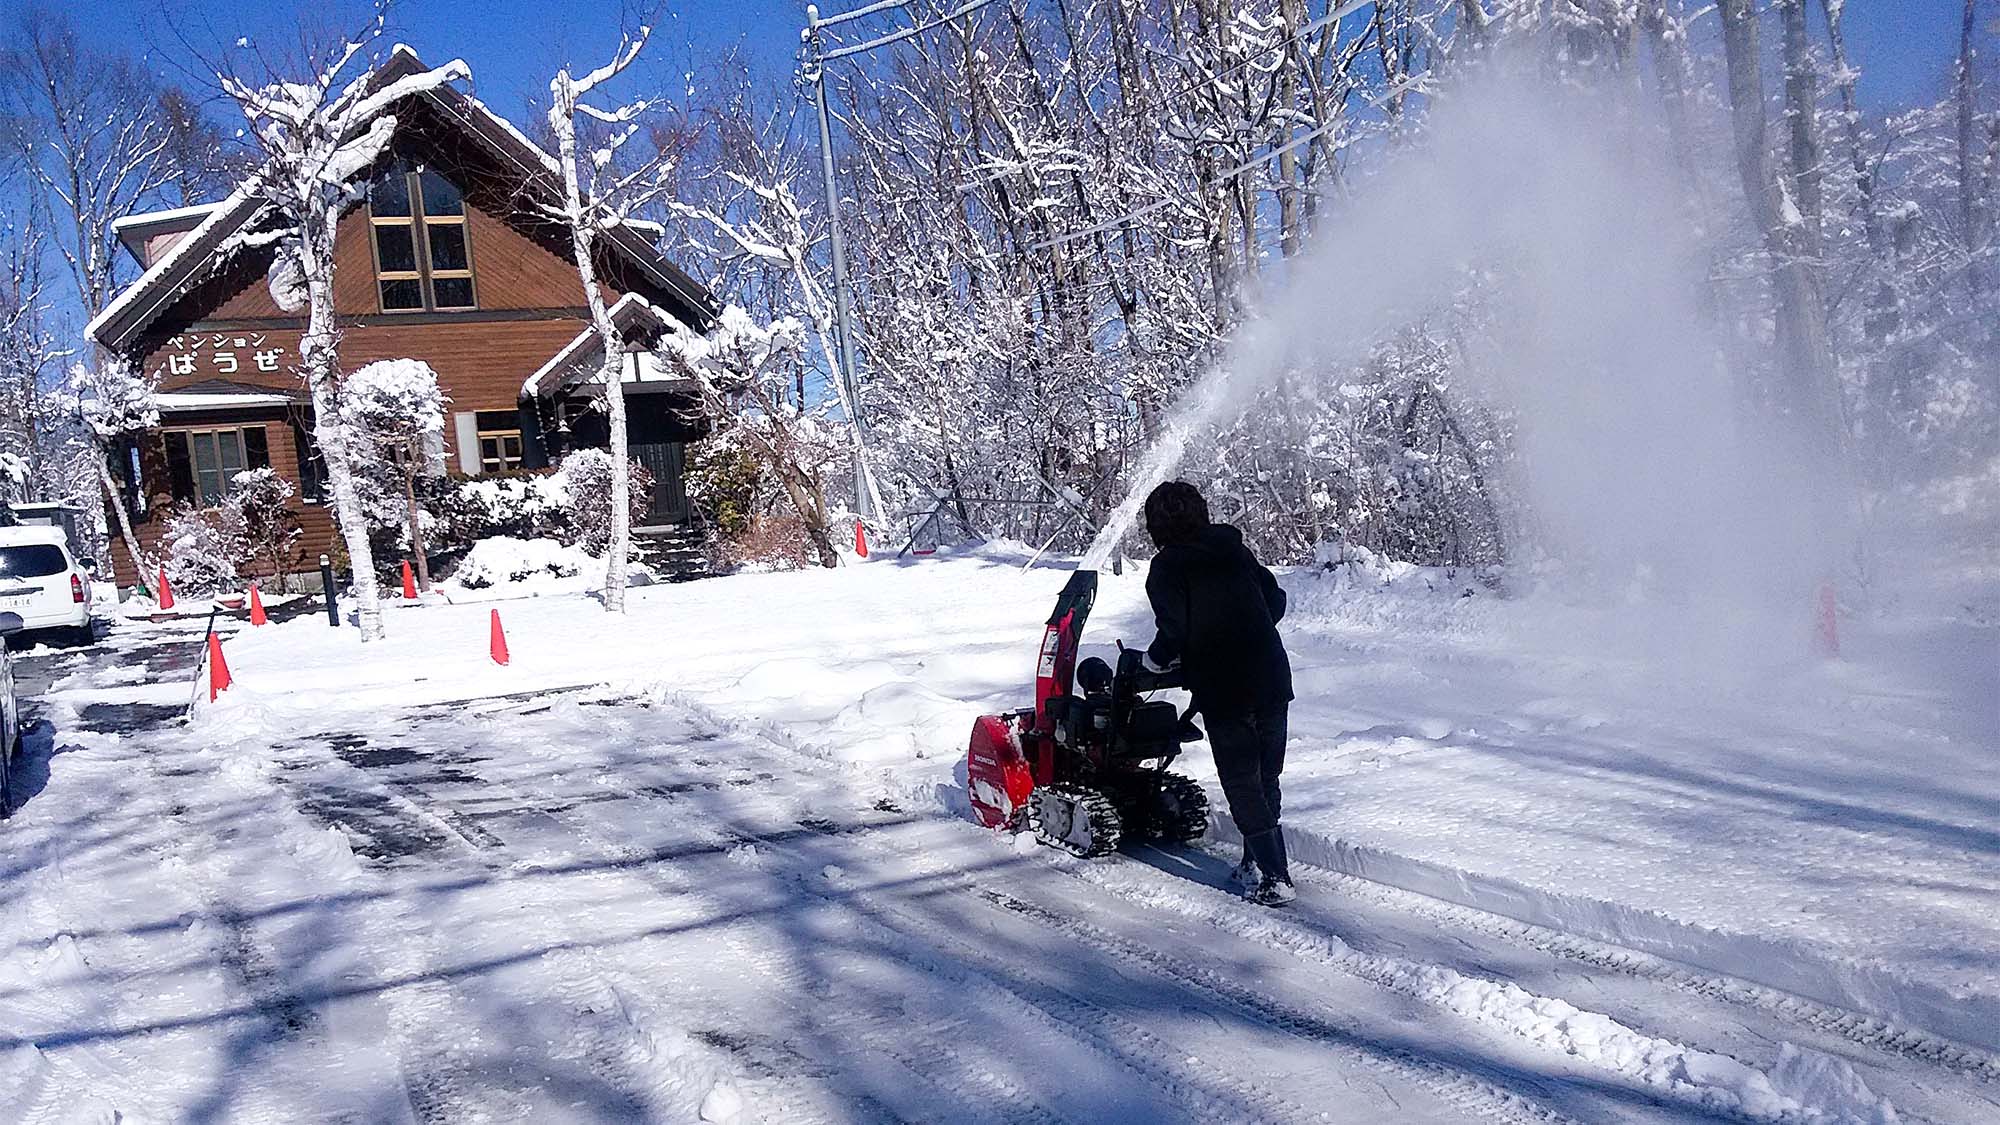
column 222, row 354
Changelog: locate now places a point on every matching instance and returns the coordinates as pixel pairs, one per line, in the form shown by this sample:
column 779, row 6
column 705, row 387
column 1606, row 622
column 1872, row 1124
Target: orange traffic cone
column 257, row 616
column 166, row 591
column 409, row 582
column 860, row 539
column 1826, row 635
column 218, row 668
column 498, row 645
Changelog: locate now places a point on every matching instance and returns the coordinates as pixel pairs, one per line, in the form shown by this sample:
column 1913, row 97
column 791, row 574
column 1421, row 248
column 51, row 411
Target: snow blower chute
column 1086, row 766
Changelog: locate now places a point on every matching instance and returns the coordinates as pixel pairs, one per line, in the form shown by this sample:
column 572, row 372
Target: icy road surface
column 588, row 907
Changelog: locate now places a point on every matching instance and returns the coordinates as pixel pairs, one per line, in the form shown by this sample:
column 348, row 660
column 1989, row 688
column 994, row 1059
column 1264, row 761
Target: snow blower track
column 1048, row 975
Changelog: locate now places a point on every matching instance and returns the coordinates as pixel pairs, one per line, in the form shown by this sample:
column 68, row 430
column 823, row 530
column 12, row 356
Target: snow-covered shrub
column 1352, row 566
column 727, row 484
column 203, row 550
column 492, row 562
column 258, row 510
column 395, row 413
column 526, row 506
column 773, row 542
column 586, row 481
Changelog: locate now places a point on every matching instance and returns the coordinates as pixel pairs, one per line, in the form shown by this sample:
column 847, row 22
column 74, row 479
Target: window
column 201, row 463
column 500, row 445
column 423, row 255
column 32, row 560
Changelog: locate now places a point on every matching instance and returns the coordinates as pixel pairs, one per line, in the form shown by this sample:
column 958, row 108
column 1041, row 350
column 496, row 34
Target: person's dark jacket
column 1218, row 611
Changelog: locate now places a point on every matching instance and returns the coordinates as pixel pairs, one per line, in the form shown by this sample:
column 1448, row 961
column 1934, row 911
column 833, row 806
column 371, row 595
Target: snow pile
column 503, row 567
column 1351, row 566
column 525, row 562
column 515, row 501
column 1814, row 1078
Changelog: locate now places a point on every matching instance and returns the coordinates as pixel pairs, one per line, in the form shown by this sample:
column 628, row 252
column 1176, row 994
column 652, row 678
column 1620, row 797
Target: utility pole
column 843, row 327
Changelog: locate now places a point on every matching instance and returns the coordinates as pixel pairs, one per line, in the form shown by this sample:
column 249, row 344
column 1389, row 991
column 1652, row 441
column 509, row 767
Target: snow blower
column 1086, row 766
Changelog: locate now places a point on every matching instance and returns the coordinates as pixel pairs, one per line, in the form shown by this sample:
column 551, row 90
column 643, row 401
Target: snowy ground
column 718, row 868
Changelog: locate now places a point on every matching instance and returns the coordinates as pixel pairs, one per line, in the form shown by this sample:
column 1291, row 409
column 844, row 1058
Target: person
column 1217, row 610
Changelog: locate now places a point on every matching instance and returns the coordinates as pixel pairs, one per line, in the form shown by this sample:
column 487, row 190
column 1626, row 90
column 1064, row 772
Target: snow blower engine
column 1086, row 767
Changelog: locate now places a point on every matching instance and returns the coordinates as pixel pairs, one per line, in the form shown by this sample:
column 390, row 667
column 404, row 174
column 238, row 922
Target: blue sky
column 1903, row 47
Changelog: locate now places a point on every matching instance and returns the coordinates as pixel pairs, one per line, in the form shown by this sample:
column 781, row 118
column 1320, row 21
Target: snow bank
column 502, row 568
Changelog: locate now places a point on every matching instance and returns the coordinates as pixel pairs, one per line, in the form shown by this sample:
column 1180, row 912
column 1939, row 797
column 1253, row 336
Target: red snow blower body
column 1086, row 766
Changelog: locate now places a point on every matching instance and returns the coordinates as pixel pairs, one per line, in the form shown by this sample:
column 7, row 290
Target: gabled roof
column 192, row 258
column 578, row 360
column 134, row 231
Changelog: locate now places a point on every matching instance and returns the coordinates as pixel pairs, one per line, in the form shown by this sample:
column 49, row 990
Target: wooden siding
column 481, row 363
column 315, row 522
column 530, row 306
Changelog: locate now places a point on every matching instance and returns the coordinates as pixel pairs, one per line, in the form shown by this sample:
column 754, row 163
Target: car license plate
column 15, row 603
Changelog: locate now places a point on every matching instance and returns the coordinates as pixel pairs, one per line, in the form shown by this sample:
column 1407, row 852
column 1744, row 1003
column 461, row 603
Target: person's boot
column 1275, row 887
column 1245, row 875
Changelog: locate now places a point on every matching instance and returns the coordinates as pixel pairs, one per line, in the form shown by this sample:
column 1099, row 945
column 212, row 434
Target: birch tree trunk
column 583, row 241
column 1801, row 98
column 318, row 356
column 116, row 500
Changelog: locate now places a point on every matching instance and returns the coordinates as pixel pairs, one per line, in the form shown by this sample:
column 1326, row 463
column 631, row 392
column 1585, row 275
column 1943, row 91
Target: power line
column 894, row 36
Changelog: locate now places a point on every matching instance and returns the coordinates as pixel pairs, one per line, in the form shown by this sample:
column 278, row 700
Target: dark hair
column 1175, row 514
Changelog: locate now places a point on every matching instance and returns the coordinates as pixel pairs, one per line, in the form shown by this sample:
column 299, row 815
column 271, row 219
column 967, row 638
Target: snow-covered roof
column 166, row 280
column 221, row 394
column 18, row 535
column 160, row 283
column 171, row 402
column 168, row 217
column 576, row 359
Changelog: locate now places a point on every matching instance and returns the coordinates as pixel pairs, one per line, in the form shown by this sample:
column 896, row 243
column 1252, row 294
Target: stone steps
column 677, row 553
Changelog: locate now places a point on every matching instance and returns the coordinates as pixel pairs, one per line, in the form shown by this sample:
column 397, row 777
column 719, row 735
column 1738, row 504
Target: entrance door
column 666, row 461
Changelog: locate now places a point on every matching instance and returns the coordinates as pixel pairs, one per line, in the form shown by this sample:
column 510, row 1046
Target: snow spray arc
column 1547, row 210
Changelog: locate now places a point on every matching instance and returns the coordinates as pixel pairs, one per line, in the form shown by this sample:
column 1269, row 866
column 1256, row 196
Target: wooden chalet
column 447, row 259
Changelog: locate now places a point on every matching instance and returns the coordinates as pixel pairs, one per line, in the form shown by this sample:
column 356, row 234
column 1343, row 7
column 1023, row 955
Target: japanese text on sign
column 222, row 353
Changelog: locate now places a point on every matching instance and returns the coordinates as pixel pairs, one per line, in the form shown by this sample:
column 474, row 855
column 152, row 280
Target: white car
column 10, row 715
column 42, row 582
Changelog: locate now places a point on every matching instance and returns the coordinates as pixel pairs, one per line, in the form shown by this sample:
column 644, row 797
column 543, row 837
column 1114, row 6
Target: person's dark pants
column 1249, row 755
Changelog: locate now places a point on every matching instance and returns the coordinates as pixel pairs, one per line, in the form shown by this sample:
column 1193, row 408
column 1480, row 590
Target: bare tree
column 743, row 370
column 30, row 348
column 94, row 133
column 1803, row 355
column 1972, row 204
column 318, row 135
column 599, row 190
column 114, row 402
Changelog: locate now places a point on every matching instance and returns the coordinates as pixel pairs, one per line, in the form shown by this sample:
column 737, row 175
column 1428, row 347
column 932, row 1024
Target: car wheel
column 82, row 634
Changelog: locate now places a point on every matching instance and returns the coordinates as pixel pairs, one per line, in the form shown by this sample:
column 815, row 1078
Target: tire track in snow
column 1742, row 1003
column 1086, row 1021
column 941, row 1062
column 1813, row 1016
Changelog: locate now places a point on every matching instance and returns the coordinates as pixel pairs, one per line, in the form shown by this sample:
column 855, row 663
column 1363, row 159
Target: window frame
column 520, row 457
column 418, row 223
column 186, row 435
